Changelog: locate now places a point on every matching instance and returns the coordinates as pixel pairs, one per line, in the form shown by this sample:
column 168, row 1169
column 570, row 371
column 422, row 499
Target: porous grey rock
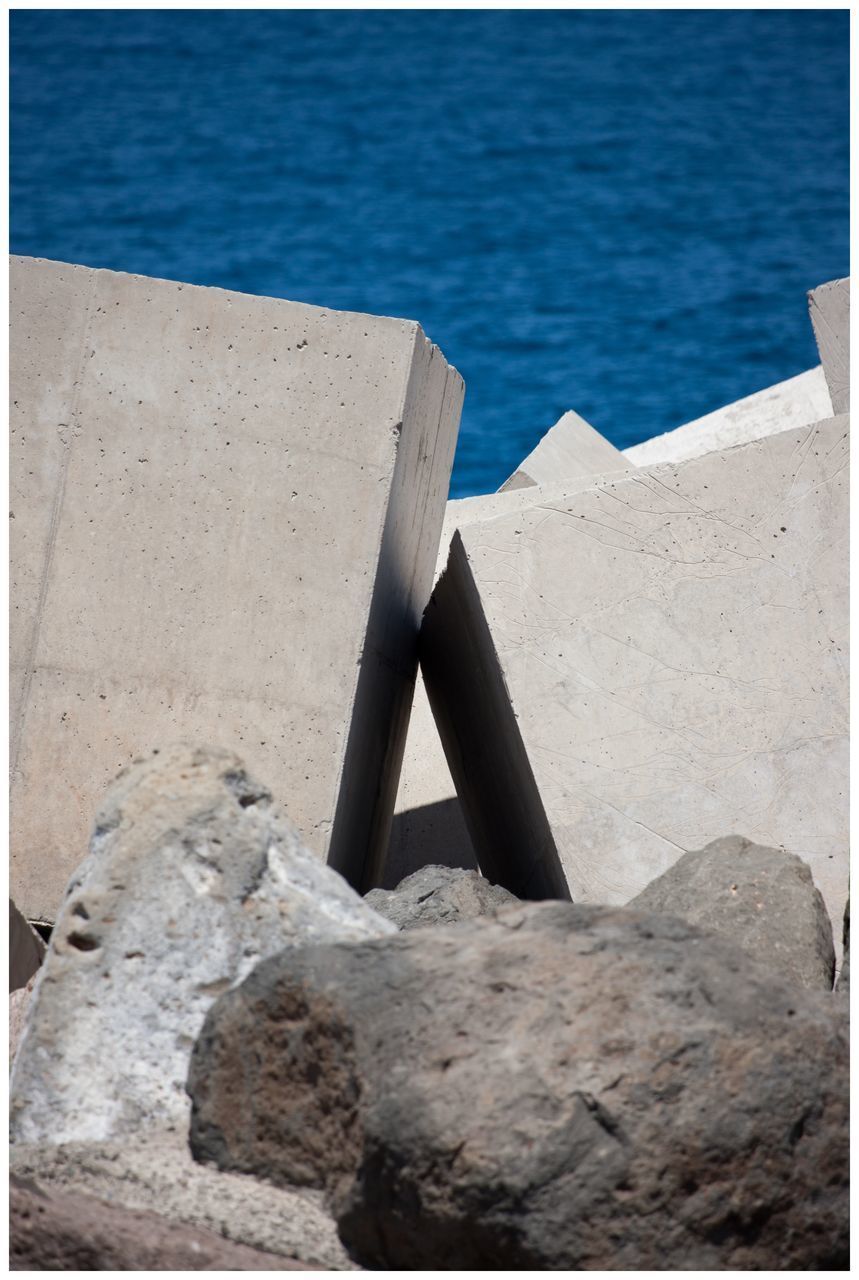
column 61, row 1231
column 19, row 1007
column 560, row 1087
column 191, row 879
column 154, row 1172
column 843, row 986
column 439, row 895
column 760, row 898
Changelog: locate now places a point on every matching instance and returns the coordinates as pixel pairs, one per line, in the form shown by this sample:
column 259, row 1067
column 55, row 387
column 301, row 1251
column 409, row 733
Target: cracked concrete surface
column 674, row 647
column 829, row 307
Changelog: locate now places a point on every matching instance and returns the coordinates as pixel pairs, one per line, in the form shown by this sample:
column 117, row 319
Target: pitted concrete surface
column 210, row 493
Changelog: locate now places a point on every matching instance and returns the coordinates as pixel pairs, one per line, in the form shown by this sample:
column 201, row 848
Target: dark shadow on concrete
column 432, row 834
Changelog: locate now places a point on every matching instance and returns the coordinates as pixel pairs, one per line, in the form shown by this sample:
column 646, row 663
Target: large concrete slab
column 569, row 450
column 650, row 664
column 796, row 402
column 829, row 307
column 226, row 518
column 429, row 826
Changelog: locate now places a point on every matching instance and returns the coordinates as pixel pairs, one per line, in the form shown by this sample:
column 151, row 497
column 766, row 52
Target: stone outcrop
column 829, row 306
column 439, row 895
column 19, row 1008
column 192, row 878
column 796, row 402
column 56, row 1231
column 561, row 1087
column 152, row 1172
column 632, row 672
column 764, row 900
column 181, row 461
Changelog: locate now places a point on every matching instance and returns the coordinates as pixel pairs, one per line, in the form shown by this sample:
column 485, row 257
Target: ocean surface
column 613, row 212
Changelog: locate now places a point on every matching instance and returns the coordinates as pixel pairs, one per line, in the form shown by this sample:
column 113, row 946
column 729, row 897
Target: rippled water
column 616, row 212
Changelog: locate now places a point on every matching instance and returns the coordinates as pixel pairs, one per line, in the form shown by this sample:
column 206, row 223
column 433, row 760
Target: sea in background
column 618, row 212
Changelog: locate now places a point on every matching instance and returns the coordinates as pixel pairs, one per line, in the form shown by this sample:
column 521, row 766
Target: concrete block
column 570, row 449
column 429, row 826
column 651, row 664
column 227, row 512
column 829, row 307
column 797, row 402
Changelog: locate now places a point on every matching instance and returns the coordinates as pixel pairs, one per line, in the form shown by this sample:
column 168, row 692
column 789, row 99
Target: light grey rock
column 156, row 1173
column 19, row 1008
column 829, row 307
column 439, row 895
column 26, row 949
column 191, row 879
column 843, row 985
column 562, row 1087
column 63, row 1231
column 227, row 511
column 762, row 899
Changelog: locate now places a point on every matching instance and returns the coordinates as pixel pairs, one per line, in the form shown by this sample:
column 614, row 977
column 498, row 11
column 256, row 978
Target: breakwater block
column 829, row 306
column 429, row 825
column 226, row 513
column 796, row 402
column 650, row 664
column 569, row 449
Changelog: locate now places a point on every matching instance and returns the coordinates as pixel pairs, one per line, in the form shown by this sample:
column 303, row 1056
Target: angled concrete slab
column 429, row 825
column 651, row 664
column 227, row 513
column 796, row 402
column 570, row 449
column 829, row 307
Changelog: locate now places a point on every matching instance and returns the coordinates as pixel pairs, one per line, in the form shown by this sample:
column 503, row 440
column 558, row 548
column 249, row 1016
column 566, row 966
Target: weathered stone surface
column 26, row 949
column 184, row 462
column 796, row 402
column 762, row 899
column 59, row 1231
column 843, row 985
column 154, row 1172
column 19, row 1008
column 628, row 674
column 570, row 449
column 192, row 878
column 560, row 1087
column 439, row 895
column 829, row 306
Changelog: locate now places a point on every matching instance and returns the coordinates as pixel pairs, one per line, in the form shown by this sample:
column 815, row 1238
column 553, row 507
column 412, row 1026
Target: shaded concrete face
column 829, row 307
column 211, row 492
column 572, row 448
column 797, row 402
column 671, row 649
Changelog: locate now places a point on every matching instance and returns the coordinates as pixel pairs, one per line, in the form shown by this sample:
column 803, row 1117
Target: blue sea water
column 613, row 211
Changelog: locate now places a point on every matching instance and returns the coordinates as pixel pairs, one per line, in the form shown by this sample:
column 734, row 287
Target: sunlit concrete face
column 671, row 650
column 829, row 307
column 796, row 402
column 226, row 513
column 569, row 450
